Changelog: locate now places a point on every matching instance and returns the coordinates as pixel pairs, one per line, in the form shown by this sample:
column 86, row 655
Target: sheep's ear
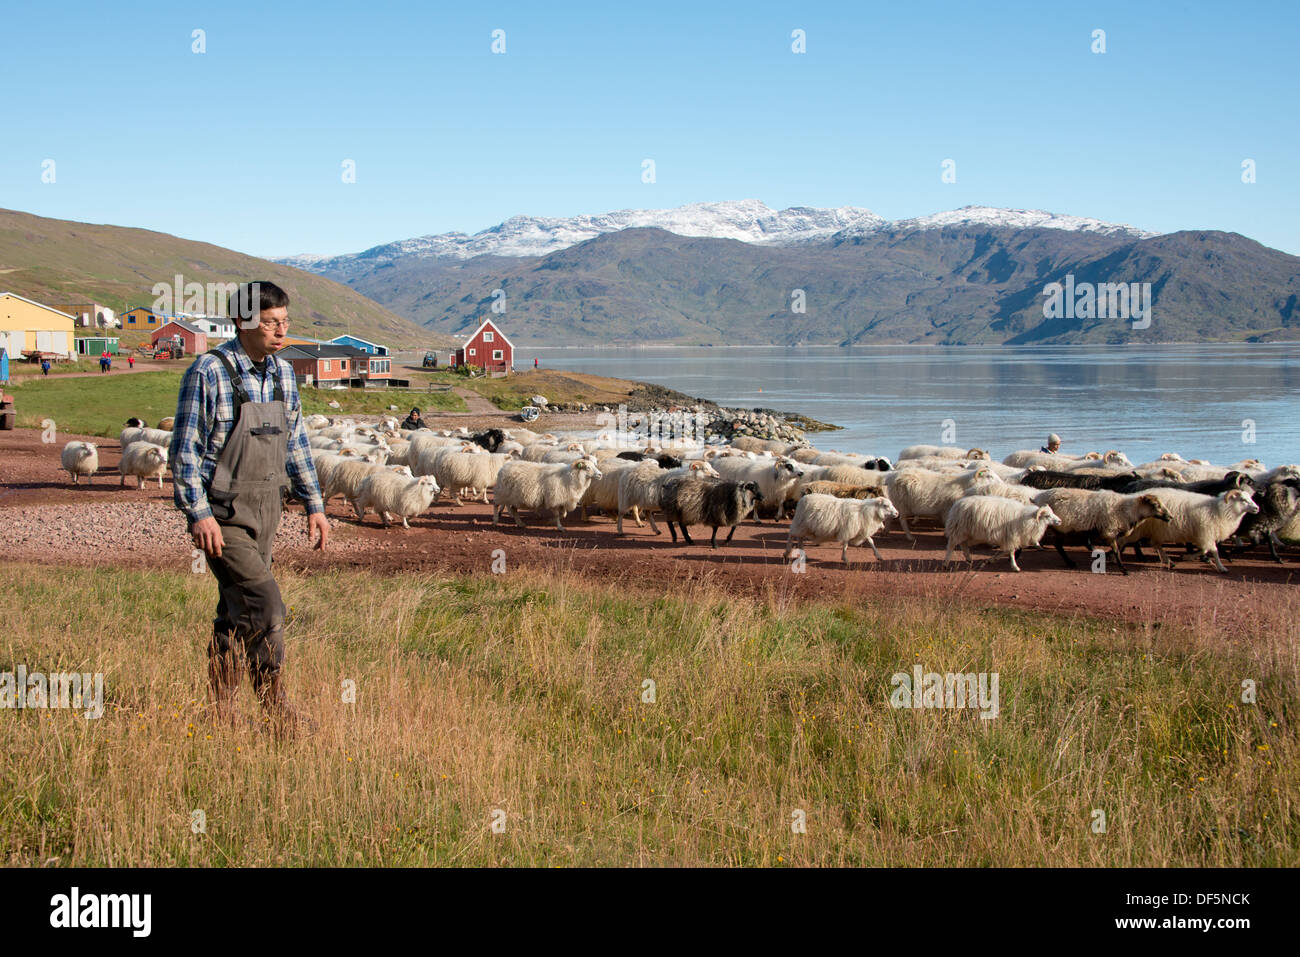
column 1232, row 494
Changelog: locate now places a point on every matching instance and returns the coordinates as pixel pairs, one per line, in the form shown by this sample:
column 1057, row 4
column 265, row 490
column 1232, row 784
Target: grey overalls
column 245, row 498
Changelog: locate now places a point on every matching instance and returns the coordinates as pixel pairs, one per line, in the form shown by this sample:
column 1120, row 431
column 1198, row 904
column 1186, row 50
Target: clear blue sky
column 242, row 145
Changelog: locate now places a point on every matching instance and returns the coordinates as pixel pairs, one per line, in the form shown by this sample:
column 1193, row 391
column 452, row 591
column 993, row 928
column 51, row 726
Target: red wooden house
column 195, row 339
column 328, row 365
column 487, row 348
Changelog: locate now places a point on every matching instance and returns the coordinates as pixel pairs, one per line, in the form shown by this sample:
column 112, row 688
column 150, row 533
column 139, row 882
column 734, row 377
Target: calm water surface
column 1190, row 399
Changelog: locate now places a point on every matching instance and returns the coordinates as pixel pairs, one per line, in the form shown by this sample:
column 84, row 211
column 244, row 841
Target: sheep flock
column 1101, row 502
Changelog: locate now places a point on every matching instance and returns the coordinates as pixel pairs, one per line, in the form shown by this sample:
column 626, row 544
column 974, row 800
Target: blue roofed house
column 374, row 348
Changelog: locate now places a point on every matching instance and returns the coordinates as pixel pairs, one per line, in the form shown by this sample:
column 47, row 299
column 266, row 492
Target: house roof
column 348, row 335
column 33, row 302
column 187, row 326
column 328, row 351
column 495, row 328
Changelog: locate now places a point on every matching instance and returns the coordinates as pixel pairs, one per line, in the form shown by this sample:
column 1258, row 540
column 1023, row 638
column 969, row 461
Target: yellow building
column 26, row 326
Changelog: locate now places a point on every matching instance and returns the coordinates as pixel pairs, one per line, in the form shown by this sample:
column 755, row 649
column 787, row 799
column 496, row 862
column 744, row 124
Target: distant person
column 413, row 421
column 45, row 366
column 534, row 363
column 1053, row 446
column 130, row 361
column 103, row 363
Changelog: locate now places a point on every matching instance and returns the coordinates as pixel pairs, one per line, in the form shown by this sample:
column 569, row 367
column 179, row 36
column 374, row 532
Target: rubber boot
column 284, row 720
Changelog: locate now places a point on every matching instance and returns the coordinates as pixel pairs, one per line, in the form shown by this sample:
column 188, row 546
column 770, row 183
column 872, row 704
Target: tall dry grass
column 523, row 693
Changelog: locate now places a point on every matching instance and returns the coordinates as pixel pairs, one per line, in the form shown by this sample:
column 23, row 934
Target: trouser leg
column 249, row 620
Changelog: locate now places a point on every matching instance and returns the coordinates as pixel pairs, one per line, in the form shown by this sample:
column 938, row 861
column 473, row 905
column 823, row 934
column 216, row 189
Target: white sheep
column 423, row 457
column 345, row 477
column 603, row 492
column 394, row 495
column 144, row 460
column 552, row 487
column 316, row 422
column 1027, row 458
column 1017, row 493
column 641, row 488
column 154, row 436
column 849, row 521
column 919, row 493
column 1194, row 519
column 535, row 452
column 988, row 520
column 1099, row 516
column 935, row 464
column 80, row 458
column 776, row 481
column 458, row 471
column 942, row 452
column 805, row 455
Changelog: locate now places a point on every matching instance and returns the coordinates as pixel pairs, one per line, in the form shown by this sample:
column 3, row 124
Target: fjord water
column 1146, row 400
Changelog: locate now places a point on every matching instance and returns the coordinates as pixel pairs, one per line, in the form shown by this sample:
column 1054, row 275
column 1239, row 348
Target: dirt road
column 43, row 518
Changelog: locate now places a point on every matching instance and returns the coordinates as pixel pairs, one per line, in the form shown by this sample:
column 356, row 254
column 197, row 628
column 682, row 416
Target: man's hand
column 318, row 522
column 207, row 536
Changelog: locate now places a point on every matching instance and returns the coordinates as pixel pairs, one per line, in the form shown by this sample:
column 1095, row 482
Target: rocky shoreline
column 649, row 403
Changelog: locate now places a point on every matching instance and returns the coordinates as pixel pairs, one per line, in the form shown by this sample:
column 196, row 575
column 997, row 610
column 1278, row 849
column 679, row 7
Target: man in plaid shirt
column 238, row 441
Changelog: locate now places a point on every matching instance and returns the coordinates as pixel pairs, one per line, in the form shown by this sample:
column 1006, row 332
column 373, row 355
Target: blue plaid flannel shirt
column 205, row 414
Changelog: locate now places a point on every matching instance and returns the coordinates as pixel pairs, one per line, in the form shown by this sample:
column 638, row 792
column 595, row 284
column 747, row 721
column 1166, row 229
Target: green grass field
column 525, row 694
column 100, row 405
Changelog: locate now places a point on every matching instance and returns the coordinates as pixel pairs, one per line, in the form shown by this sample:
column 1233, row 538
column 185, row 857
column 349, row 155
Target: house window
column 327, row 365
column 496, row 354
column 343, row 365
column 472, row 352
column 487, row 336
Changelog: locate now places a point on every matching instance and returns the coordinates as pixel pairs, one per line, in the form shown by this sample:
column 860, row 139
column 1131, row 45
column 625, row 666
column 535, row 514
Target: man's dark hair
column 250, row 299
column 415, row 411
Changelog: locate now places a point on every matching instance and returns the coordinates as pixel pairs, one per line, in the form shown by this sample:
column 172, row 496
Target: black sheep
column 632, row 456
column 693, row 501
column 1278, row 504
column 1214, row 487
column 490, row 440
column 1046, row 478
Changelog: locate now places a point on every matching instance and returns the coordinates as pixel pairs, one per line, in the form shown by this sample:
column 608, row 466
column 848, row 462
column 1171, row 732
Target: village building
column 365, row 345
column 90, row 315
column 29, row 326
column 193, row 339
column 327, row 365
column 487, row 348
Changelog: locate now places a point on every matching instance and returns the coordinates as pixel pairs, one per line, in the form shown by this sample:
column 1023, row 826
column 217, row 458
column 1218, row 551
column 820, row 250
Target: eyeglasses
column 274, row 323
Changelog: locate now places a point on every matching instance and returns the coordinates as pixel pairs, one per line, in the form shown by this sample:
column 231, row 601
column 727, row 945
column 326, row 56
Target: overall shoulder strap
column 278, row 395
column 241, row 394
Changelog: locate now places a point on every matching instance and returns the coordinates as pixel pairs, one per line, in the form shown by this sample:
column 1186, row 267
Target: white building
column 216, row 328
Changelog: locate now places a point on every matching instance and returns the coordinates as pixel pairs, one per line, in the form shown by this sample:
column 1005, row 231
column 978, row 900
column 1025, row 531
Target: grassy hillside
column 55, row 260
column 525, row 694
column 101, row 405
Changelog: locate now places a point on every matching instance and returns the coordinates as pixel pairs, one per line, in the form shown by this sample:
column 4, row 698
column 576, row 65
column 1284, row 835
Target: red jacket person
column 237, row 443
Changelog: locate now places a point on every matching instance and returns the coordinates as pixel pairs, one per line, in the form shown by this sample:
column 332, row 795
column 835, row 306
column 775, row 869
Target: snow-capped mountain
column 1018, row 219
column 747, row 220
